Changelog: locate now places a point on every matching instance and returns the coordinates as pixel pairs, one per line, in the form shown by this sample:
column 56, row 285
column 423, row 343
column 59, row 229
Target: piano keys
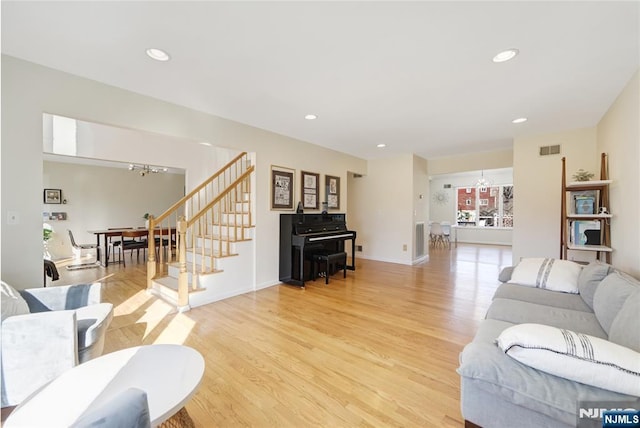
column 303, row 234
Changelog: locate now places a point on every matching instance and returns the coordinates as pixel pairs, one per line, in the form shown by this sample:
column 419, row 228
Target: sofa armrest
column 93, row 321
column 35, row 349
column 62, row 298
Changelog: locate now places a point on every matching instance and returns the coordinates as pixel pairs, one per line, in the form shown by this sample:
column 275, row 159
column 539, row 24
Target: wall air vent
column 420, row 239
column 550, row 150
column 446, row 186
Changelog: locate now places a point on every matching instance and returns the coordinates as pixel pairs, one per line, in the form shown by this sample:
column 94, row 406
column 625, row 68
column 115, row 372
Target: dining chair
column 80, row 248
column 137, row 241
column 168, row 241
column 114, row 241
column 446, row 232
column 436, row 235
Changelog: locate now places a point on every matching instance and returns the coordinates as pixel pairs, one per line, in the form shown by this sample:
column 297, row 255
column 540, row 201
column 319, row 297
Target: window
column 485, row 206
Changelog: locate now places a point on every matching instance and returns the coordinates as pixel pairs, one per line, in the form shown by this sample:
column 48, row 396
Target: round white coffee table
column 169, row 374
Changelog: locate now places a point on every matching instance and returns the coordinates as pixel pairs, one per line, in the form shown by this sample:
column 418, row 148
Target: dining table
column 103, row 250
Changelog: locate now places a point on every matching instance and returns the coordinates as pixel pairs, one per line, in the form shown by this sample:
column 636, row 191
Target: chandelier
column 147, row 169
column 483, row 183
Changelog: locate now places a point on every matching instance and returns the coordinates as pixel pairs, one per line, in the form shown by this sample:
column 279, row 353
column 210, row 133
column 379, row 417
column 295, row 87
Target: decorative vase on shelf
column 146, row 220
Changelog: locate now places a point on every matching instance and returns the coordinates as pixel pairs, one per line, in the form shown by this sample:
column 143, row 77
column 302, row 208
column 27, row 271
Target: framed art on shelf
column 584, row 202
column 310, row 189
column 332, row 191
column 282, row 185
column 52, row 196
column 582, row 232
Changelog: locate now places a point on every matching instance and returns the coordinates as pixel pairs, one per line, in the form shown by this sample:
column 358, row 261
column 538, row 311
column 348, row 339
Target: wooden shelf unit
column 603, row 251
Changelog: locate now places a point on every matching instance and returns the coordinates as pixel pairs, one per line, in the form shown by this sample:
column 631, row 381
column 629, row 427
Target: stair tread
column 207, row 252
column 172, row 284
column 224, row 238
column 198, row 268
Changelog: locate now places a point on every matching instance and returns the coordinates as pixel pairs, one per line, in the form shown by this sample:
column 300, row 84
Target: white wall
column 420, row 203
column 29, row 90
column 380, row 210
column 101, row 197
column 106, row 142
column 471, row 162
column 537, row 188
column 619, row 137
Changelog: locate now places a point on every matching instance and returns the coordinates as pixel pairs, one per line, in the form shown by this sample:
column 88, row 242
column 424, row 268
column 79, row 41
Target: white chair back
column 435, row 228
column 446, row 228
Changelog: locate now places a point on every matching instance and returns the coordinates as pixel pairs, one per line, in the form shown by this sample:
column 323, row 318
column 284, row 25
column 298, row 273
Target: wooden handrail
column 231, row 187
column 202, row 185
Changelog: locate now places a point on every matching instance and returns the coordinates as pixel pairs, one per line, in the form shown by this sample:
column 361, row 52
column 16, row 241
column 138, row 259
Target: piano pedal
column 322, row 274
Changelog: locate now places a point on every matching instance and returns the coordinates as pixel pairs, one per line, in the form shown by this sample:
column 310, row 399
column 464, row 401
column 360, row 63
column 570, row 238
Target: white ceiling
column 416, row 76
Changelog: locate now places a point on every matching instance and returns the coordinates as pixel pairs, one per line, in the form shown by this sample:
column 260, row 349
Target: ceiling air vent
column 550, row 150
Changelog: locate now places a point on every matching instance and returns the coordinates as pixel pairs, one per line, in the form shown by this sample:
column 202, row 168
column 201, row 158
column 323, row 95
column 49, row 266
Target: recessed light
column 506, row 55
column 204, row 143
column 158, row 54
column 310, row 116
column 519, row 120
column 381, row 145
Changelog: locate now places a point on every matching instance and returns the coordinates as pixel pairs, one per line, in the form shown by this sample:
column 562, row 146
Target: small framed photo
column 332, row 191
column 58, row 216
column 585, row 204
column 310, row 190
column 52, row 196
column 281, row 188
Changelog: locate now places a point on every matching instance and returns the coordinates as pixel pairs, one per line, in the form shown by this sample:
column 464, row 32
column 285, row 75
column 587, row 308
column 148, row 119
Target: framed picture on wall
column 52, row 196
column 282, row 185
column 310, row 190
column 332, row 185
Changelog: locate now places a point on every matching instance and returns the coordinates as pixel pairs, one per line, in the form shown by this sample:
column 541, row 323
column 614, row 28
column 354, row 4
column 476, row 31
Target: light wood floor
column 379, row 348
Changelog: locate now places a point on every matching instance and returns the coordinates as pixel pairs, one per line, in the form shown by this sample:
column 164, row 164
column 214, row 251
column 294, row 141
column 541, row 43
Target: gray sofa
column 46, row 331
column 498, row 391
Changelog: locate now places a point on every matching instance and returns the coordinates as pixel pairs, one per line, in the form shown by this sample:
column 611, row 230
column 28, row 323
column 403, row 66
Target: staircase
column 203, row 248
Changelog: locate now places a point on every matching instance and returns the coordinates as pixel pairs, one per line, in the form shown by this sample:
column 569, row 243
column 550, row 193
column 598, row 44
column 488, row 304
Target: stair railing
column 223, row 221
column 165, row 237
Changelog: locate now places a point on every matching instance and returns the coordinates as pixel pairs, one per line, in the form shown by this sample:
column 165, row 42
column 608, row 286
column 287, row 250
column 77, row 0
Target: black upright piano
column 303, row 234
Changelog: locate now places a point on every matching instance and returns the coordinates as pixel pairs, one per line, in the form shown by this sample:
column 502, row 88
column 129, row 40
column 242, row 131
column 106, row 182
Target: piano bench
column 330, row 260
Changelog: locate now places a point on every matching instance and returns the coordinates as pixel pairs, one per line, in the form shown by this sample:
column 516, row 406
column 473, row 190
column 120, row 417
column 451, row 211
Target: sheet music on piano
column 302, row 234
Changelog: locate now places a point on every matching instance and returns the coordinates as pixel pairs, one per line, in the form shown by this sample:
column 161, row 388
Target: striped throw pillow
column 550, row 274
column 575, row 356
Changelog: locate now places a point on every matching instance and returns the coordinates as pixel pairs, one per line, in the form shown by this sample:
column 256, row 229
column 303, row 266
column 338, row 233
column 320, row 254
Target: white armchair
column 46, row 331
